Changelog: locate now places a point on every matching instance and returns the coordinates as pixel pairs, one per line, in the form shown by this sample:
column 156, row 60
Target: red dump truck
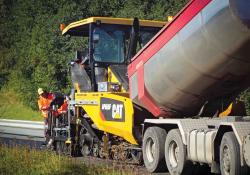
column 174, row 102
column 198, row 60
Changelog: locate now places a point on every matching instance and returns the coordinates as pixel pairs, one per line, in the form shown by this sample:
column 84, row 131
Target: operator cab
column 110, row 41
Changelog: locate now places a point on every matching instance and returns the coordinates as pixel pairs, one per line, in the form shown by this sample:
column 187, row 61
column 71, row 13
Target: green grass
column 12, row 108
column 23, row 160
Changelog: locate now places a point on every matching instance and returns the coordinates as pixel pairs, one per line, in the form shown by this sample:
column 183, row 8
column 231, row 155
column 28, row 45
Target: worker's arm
column 45, row 108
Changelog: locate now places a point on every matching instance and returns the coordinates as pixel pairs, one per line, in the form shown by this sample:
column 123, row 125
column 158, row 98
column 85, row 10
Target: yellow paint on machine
column 110, row 20
column 92, row 106
column 227, row 111
column 113, row 79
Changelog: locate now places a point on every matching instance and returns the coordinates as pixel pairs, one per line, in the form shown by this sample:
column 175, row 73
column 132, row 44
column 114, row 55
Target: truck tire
column 230, row 156
column 175, row 154
column 153, row 149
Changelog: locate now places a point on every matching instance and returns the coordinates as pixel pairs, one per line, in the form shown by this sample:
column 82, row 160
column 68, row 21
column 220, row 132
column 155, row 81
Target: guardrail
column 22, row 129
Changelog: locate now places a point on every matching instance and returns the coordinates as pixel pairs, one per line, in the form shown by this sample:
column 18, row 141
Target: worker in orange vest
column 45, row 98
column 44, row 101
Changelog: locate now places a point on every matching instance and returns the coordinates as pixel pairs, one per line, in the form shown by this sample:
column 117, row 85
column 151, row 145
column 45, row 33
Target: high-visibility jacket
column 61, row 110
column 44, row 104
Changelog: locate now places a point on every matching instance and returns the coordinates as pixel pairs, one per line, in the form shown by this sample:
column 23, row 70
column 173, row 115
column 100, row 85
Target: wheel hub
column 226, row 160
column 150, row 150
column 173, row 153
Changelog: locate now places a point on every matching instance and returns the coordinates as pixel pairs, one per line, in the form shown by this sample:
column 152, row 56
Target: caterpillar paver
column 102, row 115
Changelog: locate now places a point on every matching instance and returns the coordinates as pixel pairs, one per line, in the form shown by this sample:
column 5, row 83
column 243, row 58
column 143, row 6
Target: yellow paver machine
column 106, row 121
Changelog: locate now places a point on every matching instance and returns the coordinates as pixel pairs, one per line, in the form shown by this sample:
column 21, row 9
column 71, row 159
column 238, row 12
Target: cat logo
column 117, row 111
column 112, row 110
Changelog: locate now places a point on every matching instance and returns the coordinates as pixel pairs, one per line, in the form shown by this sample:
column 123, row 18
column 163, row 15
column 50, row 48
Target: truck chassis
column 223, row 144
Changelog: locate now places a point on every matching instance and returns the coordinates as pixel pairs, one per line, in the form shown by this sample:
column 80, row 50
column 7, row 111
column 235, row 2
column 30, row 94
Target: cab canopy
column 81, row 28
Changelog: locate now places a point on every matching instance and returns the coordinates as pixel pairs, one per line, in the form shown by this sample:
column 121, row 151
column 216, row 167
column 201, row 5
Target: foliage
column 23, row 160
column 245, row 96
column 33, row 53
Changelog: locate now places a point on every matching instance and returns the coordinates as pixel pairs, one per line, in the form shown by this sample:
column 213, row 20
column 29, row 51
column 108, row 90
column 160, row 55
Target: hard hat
column 40, row 91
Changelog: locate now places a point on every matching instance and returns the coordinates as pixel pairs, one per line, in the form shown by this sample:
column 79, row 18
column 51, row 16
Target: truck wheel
column 230, row 156
column 175, row 154
column 153, row 149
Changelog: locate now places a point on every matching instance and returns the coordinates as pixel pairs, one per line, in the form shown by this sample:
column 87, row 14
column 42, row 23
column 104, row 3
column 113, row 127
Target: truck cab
column 109, row 47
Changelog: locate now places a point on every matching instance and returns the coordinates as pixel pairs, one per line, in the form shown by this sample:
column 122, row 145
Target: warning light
column 170, row 18
column 62, row 26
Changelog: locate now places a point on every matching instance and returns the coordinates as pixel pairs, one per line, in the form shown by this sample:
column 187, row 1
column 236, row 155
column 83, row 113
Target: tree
column 33, row 53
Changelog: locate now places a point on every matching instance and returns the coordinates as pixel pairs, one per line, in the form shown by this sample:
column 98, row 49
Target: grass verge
column 23, row 160
column 12, row 108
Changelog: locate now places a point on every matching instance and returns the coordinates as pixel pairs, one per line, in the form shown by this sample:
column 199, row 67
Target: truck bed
column 201, row 55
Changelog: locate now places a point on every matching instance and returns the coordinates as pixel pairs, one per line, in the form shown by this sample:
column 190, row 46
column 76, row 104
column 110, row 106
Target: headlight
column 115, row 87
column 109, row 87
